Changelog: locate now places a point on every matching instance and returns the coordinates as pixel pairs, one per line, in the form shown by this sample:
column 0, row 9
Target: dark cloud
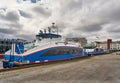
column 90, row 28
column 10, row 28
column 115, row 36
column 32, row 1
column 4, row 9
column 5, row 33
column 11, row 16
column 42, row 11
column 16, row 33
column 73, row 34
column 115, row 15
column 70, row 8
column 61, row 25
column 114, row 30
column 111, row 15
column 72, row 17
column 109, row 11
column 25, row 14
column 12, row 25
column 8, row 31
column 28, row 37
column 15, row 25
column 74, row 5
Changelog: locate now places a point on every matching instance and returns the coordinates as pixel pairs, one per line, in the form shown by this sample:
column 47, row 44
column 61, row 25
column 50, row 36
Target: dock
column 97, row 69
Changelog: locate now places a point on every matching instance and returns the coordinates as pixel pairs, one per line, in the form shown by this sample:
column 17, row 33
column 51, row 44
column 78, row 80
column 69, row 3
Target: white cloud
column 87, row 18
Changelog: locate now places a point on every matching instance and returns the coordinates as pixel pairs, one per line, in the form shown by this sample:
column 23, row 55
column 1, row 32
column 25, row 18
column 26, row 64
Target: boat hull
column 46, row 55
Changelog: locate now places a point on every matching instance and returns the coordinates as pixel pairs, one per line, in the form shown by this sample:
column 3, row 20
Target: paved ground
column 98, row 69
column 1, row 64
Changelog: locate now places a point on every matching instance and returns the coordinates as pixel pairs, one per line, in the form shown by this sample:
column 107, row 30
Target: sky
column 96, row 20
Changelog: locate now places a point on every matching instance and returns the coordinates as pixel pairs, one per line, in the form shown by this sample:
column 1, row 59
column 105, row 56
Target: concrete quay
column 98, row 69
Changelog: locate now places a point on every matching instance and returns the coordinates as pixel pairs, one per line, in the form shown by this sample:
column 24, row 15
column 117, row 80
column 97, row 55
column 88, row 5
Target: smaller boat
column 96, row 51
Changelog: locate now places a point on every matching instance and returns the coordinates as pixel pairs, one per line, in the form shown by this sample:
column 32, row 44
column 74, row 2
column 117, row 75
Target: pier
column 97, row 69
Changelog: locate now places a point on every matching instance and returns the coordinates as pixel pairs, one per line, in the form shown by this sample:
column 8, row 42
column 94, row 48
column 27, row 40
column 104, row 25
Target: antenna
column 49, row 29
column 41, row 32
column 55, row 27
column 53, row 24
column 44, row 30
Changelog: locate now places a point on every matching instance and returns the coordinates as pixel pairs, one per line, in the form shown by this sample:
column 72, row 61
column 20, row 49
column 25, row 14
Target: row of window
column 62, row 51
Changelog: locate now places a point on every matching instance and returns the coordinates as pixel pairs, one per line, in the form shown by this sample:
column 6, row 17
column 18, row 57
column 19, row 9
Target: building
column 82, row 41
column 5, row 44
column 108, row 45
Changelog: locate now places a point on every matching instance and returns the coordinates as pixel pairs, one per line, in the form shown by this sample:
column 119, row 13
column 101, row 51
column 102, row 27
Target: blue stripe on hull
column 37, row 56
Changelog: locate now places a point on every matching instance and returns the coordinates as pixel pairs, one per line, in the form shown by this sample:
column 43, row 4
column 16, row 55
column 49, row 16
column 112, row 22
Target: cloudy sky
column 93, row 19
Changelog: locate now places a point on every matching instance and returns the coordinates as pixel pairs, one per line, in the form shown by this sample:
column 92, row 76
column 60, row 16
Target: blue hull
column 47, row 55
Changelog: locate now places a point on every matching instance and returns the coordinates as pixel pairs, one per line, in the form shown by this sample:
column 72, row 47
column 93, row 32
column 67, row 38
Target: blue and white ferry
column 47, row 47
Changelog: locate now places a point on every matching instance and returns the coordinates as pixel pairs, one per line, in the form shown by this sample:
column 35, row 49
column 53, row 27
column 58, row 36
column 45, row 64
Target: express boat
column 47, row 47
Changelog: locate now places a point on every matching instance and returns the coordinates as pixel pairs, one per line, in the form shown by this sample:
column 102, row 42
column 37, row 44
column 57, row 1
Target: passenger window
column 62, row 51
